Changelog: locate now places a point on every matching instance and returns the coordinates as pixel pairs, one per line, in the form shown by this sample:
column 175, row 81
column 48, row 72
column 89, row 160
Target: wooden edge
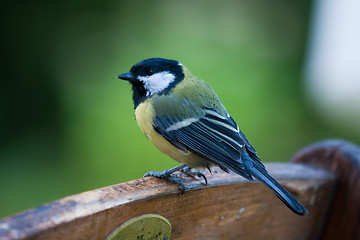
column 343, row 159
column 96, row 213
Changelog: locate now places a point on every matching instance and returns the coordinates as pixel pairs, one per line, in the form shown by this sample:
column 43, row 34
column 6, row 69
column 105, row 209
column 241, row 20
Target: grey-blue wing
column 214, row 137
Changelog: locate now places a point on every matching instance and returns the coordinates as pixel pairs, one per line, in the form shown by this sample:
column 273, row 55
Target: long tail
column 261, row 175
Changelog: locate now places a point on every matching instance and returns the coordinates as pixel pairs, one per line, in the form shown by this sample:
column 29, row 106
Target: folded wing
column 212, row 136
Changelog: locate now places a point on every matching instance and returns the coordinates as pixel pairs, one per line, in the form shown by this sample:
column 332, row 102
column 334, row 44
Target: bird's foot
column 184, row 168
column 167, row 175
column 192, row 172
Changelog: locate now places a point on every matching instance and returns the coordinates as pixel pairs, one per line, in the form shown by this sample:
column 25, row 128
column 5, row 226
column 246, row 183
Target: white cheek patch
column 157, row 82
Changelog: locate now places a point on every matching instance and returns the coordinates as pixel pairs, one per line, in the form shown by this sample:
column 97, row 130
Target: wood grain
column 343, row 159
column 230, row 207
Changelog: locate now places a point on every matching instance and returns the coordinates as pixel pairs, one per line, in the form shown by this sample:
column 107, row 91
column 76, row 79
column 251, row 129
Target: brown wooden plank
column 230, row 207
column 343, row 159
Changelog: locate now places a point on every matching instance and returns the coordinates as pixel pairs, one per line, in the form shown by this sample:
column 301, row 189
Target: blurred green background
column 67, row 122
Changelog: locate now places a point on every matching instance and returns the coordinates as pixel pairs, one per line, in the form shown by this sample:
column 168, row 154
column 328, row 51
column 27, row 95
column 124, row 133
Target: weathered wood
column 230, row 207
column 343, row 159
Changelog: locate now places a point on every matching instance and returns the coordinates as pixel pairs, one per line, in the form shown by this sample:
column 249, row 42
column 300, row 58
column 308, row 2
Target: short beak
column 126, row 76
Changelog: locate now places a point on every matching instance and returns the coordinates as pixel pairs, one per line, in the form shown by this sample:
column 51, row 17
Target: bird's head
column 153, row 76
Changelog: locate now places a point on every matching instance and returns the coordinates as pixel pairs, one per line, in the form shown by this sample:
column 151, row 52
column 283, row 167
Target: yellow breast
column 145, row 115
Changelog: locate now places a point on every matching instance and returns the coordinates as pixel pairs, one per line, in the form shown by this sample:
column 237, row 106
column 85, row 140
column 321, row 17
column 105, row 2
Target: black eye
column 149, row 72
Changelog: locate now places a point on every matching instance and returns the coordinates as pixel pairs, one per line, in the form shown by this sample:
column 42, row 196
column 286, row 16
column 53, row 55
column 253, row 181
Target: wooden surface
column 343, row 159
column 228, row 208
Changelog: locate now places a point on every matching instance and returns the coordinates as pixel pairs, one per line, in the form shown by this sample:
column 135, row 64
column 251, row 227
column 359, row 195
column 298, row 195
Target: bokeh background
column 67, row 122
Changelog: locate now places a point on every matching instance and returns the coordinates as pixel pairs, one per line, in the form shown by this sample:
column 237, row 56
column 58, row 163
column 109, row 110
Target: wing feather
column 213, row 136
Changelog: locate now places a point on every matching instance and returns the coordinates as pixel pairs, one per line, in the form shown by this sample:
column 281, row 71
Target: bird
column 185, row 119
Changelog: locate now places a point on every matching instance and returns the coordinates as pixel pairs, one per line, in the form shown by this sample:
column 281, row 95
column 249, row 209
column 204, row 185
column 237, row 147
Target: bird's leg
column 192, row 172
column 166, row 174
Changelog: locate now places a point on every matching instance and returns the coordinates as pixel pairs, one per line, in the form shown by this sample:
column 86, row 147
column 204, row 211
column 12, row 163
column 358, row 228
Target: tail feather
column 261, row 175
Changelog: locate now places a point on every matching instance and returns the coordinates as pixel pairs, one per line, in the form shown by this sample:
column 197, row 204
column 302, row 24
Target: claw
column 190, row 171
column 184, row 168
column 179, row 182
column 167, row 175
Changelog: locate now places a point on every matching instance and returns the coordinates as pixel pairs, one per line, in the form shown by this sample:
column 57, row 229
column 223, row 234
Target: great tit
column 185, row 119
